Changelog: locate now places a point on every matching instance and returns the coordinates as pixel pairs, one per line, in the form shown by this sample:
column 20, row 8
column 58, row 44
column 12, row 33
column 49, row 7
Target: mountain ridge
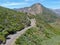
column 39, row 9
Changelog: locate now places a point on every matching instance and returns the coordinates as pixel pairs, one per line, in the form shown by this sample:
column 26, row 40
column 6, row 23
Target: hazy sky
column 54, row 4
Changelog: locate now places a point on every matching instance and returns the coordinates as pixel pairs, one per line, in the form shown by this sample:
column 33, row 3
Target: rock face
column 34, row 9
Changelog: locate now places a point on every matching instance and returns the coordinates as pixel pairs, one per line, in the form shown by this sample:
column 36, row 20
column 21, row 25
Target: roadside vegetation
column 43, row 34
column 11, row 21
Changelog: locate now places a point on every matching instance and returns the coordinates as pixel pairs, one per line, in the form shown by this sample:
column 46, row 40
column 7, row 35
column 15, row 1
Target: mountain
column 34, row 9
column 39, row 9
column 57, row 11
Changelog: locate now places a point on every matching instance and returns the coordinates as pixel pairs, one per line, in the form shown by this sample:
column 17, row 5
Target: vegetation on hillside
column 11, row 21
column 44, row 33
column 34, row 36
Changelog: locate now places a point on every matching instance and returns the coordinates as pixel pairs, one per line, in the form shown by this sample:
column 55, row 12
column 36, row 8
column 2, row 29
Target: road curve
column 13, row 38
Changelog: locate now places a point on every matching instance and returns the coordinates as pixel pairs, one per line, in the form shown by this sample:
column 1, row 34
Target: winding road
column 13, row 37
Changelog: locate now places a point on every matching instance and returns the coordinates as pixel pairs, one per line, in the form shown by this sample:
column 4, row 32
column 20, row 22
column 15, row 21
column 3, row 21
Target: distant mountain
column 39, row 9
column 57, row 11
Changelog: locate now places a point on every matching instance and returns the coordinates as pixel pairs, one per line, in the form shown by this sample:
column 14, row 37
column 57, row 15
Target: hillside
column 11, row 21
column 43, row 34
column 43, row 31
column 46, row 31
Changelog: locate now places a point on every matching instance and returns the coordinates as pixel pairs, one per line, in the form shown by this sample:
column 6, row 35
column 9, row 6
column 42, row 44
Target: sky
column 53, row 4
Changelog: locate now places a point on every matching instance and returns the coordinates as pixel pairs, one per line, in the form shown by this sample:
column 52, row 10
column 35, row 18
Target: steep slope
column 11, row 21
